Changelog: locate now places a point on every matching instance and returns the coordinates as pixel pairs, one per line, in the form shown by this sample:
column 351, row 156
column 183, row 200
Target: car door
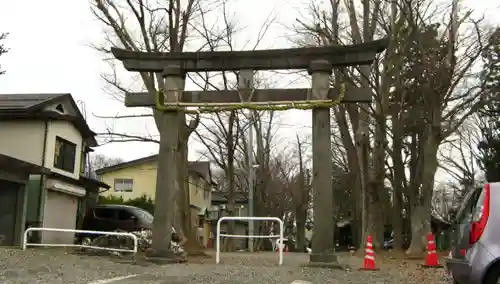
column 126, row 220
column 104, row 219
column 462, row 224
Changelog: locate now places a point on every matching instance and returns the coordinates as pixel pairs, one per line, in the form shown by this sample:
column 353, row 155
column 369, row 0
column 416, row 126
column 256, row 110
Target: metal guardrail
column 132, row 236
column 219, row 235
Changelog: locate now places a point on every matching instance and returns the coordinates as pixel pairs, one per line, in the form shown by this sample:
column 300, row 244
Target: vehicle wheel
column 493, row 275
column 86, row 241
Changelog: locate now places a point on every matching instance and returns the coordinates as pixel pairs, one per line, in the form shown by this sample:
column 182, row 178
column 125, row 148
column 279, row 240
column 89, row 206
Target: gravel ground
column 56, row 266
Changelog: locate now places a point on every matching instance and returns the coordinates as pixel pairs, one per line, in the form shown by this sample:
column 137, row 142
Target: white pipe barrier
column 280, row 236
column 134, row 238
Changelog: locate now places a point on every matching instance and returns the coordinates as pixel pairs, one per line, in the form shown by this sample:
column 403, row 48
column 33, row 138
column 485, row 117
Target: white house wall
column 67, row 131
column 23, row 140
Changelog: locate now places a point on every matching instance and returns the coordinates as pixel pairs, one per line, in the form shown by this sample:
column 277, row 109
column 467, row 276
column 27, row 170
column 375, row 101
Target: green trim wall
column 34, row 204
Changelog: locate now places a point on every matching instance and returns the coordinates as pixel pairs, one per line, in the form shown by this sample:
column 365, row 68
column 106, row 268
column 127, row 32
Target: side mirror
column 133, row 219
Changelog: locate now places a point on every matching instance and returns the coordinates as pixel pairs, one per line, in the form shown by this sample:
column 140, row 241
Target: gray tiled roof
column 24, row 101
column 32, row 106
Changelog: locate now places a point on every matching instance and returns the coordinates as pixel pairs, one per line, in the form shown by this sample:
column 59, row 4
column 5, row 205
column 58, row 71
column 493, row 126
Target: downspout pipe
column 42, row 178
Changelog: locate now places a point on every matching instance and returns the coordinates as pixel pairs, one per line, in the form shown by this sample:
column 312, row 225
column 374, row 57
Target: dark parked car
column 388, row 243
column 109, row 217
column 475, row 253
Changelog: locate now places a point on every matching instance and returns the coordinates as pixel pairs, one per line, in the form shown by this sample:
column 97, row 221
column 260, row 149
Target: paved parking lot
column 53, row 266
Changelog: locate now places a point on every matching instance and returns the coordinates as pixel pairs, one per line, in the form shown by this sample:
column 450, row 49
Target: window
column 83, row 163
column 64, row 155
column 124, row 215
column 206, row 195
column 465, row 213
column 60, row 108
column 144, row 215
column 123, row 184
column 105, row 213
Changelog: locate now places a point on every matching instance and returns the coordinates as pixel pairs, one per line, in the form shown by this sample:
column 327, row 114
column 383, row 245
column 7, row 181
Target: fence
column 132, row 236
column 280, row 236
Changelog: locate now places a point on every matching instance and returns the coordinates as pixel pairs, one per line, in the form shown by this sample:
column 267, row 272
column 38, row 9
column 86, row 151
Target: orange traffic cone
column 431, row 261
column 285, row 248
column 278, row 245
column 369, row 262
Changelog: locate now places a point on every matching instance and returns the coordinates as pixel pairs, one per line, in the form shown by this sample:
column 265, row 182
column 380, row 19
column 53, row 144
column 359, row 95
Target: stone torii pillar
column 166, row 177
column 245, row 87
column 322, row 240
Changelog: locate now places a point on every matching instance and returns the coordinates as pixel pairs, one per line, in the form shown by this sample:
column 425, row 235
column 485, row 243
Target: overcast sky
column 49, row 53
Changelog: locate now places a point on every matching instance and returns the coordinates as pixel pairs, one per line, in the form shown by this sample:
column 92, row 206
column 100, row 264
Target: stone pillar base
column 163, row 257
column 324, row 260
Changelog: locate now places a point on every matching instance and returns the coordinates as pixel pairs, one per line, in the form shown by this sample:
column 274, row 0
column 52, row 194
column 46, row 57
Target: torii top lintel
column 273, row 59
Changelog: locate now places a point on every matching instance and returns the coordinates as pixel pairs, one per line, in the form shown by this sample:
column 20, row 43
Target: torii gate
column 319, row 61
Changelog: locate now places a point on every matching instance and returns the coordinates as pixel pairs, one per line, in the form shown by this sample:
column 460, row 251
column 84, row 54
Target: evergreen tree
column 490, row 111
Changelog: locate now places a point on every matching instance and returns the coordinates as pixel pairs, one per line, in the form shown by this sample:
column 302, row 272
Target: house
column 219, row 205
column 14, row 175
column 48, row 131
column 136, row 178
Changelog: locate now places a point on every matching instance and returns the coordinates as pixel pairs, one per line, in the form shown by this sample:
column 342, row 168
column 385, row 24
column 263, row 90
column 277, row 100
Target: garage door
column 8, row 204
column 60, row 212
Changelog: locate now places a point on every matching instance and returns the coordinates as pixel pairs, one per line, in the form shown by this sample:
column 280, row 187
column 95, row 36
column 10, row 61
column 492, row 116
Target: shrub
column 145, row 202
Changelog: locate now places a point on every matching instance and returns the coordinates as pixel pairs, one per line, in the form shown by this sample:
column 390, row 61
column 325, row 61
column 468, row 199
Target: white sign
column 66, row 188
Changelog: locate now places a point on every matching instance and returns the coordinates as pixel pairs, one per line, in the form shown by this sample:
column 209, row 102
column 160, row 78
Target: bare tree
column 423, row 93
column 459, row 155
column 300, row 198
column 222, row 133
column 99, row 161
column 3, row 49
column 221, row 147
column 152, row 26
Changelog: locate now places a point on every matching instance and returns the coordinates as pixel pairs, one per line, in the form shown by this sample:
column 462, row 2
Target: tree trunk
column 377, row 185
column 376, row 220
column 354, row 169
column 183, row 204
column 421, row 214
column 300, row 198
column 191, row 246
column 301, row 218
column 420, row 226
column 166, row 183
column 397, row 221
column 259, row 202
column 229, row 246
column 398, row 183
